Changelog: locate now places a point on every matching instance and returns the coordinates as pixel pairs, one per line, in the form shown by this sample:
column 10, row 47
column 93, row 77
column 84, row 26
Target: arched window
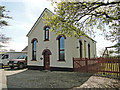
column 46, row 28
column 80, row 45
column 34, row 48
column 61, row 38
column 61, row 49
column 89, row 51
column 84, row 49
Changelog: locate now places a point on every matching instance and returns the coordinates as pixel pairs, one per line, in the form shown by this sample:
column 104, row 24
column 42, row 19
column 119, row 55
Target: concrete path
column 100, row 82
column 2, row 79
column 8, row 72
column 3, row 74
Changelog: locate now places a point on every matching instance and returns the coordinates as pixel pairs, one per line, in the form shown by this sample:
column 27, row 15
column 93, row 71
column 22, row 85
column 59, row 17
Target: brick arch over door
column 46, row 51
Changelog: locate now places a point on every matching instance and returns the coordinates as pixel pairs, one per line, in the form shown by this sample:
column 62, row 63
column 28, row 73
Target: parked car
column 8, row 56
column 20, row 62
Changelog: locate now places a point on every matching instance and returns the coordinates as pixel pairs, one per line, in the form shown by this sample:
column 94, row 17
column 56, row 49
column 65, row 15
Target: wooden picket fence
column 100, row 66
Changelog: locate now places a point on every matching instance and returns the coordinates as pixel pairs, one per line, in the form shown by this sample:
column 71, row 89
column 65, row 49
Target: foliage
column 116, row 51
column 112, row 51
column 3, row 40
column 77, row 17
column 3, row 15
column 3, row 22
column 2, row 51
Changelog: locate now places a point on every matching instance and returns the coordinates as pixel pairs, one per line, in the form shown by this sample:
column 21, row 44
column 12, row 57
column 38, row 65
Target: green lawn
column 46, row 79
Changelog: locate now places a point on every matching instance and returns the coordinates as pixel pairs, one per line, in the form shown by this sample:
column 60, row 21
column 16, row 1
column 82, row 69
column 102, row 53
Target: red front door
column 46, row 62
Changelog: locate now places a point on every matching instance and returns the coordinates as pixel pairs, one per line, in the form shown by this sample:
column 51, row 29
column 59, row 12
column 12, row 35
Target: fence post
column 98, row 66
column 86, row 63
column 119, row 65
column 73, row 64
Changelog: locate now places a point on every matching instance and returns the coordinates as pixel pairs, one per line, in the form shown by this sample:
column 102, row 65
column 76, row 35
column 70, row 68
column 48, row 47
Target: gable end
column 38, row 20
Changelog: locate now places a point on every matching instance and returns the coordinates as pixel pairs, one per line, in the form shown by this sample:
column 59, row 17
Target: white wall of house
column 71, row 50
column 92, row 47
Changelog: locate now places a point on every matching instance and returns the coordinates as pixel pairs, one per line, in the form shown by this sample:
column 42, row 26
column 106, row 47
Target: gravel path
column 101, row 82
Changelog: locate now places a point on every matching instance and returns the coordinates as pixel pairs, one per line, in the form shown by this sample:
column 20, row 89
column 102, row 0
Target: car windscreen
column 21, row 57
column 5, row 56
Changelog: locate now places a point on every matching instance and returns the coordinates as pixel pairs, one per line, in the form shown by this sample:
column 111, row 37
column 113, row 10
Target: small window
column 46, row 28
column 22, row 57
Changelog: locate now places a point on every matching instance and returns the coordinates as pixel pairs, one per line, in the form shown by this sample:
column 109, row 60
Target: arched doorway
column 46, row 54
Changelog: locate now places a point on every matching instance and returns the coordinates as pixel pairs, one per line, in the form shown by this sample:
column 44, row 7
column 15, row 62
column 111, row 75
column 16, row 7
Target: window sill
column 61, row 60
column 33, row 60
column 46, row 40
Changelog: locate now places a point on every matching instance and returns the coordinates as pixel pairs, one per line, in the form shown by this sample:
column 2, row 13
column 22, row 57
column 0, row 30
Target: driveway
column 45, row 79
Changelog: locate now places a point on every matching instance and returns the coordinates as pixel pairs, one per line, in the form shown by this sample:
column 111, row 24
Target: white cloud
column 18, row 34
column 17, row 46
column 34, row 8
column 11, row 0
column 26, row 26
column 102, row 43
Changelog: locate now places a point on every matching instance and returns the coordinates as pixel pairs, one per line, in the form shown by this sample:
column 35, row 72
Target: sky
column 24, row 14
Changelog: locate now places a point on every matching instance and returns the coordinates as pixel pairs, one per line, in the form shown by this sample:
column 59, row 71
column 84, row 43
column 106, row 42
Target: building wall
column 71, row 50
column 75, row 47
column 52, row 45
column 92, row 47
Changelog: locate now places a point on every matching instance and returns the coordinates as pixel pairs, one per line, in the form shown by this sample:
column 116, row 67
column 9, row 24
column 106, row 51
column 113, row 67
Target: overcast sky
column 24, row 14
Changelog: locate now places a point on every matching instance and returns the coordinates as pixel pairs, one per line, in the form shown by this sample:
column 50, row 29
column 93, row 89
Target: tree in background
column 3, row 40
column 3, row 22
column 3, row 16
column 100, row 52
column 81, row 17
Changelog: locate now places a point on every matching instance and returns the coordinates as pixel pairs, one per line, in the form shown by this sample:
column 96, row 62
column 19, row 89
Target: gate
column 100, row 66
